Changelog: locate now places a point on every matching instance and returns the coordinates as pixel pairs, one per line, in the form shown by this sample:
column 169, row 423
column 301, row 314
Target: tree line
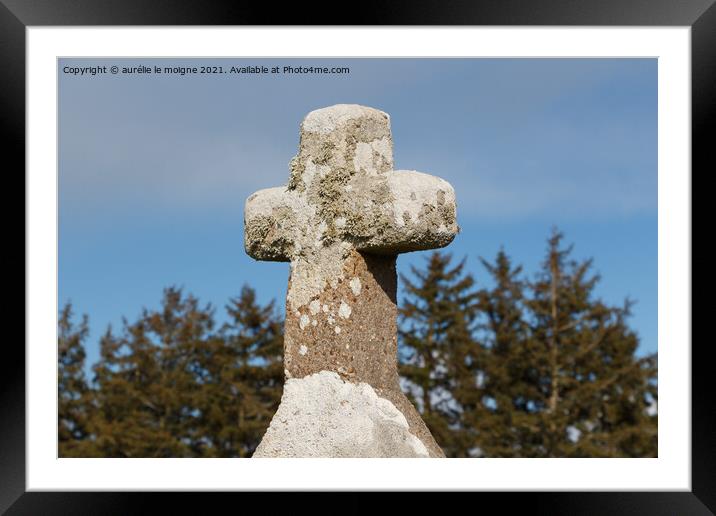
column 512, row 366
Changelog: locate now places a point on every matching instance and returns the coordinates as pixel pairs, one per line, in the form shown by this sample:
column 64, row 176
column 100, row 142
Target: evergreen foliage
column 547, row 370
column 437, row 322
column 243, row 378
column 510, row 367
column 74, row 396
column 171, row 385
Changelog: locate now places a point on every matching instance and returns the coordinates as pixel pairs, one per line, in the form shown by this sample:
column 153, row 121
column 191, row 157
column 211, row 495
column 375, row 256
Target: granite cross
column 341, row 221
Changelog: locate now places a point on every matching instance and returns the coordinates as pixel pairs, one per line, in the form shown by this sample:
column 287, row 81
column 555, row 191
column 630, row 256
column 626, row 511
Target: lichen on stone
column 296, row 168
column 325, row 153
column 343, row 205
column 355, row 286
column 344, row 310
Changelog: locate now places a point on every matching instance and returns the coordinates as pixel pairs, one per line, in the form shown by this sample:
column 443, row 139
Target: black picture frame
column 16, row 15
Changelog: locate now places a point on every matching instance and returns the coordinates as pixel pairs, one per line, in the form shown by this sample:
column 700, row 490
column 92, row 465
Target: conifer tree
column 592, row 392
column 146, row 388
column 436, row 346
column 73, row 392
column 243, row 380
column 172, row 386
column 504, row 369
column 537, row 368
column 526, row 368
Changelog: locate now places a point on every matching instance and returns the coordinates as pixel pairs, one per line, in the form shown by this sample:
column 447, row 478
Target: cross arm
column 266, row 225
column 420, row 215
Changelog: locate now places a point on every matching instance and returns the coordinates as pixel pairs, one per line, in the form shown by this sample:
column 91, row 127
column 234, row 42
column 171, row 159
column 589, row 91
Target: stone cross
column 341, row 221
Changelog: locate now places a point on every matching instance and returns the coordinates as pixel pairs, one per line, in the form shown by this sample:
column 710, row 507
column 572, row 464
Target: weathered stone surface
column 322, row 415
column 341, row 221
column 343, row 190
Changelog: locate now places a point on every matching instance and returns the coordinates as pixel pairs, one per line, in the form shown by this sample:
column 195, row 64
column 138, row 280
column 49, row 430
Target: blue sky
column 154, row 170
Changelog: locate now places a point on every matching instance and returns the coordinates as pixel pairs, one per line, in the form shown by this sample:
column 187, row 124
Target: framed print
column 154, row 143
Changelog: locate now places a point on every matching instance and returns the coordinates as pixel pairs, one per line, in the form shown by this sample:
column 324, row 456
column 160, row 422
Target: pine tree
column 146, row 388
column 73, row 392
column 537, row 368
column 524, row 368
column 436, row 347
column 504, row 370
column 243, row 380
column 172, row 386
column 592, row 393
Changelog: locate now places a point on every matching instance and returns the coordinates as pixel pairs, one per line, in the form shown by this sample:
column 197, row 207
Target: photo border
column 699, row 15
